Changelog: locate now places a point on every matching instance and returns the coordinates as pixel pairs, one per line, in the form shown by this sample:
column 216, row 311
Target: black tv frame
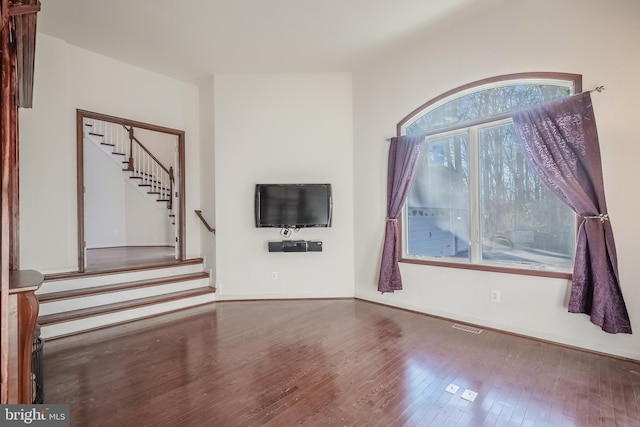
column 260, row 224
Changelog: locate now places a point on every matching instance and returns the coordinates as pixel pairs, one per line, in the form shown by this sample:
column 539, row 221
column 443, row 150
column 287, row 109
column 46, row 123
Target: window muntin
column 476, row 201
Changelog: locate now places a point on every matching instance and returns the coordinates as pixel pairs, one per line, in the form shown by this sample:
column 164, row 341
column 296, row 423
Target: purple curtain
column 560, row 140
column 404, row 153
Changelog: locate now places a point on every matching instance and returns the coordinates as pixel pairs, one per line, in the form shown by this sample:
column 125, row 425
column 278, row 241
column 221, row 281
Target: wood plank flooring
column 329, row 363
column 105, row 259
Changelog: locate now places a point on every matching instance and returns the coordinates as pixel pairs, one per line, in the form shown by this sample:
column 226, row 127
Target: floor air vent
column 467, row 328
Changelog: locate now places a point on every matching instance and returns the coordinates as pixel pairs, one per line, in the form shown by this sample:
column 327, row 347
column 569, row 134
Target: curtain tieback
column 392, row 219
column 601, row 217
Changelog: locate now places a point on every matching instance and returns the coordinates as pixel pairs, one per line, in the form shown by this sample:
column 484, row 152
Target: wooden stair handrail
column 132, row 137
column 204, row 221
column 151, row 155
column 141, row 162
column 148, row 152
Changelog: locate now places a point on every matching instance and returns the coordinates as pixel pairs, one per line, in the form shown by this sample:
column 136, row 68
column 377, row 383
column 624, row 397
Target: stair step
column 75, row 280
column 143, row 173
column 96, row 134
column 115, row 153
column 84, row 313
column 107, row 144
column 147, row 180
column 96, row 290
column 88, row 125
column 163, row 200
column 155, row 181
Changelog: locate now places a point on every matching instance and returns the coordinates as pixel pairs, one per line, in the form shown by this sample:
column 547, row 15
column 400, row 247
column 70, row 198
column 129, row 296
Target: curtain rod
column 595, row 89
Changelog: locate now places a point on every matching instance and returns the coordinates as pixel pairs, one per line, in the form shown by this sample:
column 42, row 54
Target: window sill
column 491, row 268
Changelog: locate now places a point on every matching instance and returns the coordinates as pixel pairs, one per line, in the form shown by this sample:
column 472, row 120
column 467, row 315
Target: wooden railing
column 204, row 221
column 141, row 162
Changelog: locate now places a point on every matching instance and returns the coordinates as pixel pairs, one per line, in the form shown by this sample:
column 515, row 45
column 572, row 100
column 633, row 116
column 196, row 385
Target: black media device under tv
column 293, row 205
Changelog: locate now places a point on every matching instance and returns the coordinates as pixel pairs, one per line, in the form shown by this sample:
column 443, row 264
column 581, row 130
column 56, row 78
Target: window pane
column 438, row 202
column 521, row 220
column 487, row 103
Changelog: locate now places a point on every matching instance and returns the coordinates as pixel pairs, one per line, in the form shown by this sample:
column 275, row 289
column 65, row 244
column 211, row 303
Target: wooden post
column 6, row 92
column 170, row 187
column 130, row 167
column 16, row 87
column 14, row 173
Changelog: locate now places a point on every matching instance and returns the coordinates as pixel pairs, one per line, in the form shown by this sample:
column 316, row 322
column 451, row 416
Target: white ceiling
column 191, row 39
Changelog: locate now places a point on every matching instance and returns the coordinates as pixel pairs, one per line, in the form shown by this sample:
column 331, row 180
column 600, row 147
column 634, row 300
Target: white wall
column 147, row 221
column 116, row 212
column 48, row 227
column 282, row 128
column 163, row 146
column 207, row 175
column 104, row 200
column 594, row 38
column 66, row 78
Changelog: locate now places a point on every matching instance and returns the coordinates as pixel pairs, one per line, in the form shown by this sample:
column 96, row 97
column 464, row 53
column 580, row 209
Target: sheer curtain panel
column 404, row 153
column 560, row 140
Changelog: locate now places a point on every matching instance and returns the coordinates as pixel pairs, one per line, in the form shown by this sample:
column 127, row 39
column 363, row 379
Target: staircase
column 70, row 304
column 146, row 173
column 77, row 302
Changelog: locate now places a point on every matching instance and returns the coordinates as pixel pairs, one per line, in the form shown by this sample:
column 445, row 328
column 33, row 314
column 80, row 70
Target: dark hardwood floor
column 329, row 363
column 106, row 259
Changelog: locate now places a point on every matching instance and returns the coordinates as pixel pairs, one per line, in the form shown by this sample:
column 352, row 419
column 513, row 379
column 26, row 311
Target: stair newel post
column 170, row 187
column 130, row 167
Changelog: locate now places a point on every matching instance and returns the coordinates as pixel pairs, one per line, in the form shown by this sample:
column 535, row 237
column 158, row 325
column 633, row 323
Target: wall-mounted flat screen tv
column 293, row 205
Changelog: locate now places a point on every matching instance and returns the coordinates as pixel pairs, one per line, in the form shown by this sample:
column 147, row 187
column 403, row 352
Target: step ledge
column 120, row 287
column 77, row 274
column 126, row 321
column 68, row 316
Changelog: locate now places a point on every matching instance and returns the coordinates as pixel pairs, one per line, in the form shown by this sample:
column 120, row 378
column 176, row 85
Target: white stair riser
column 110, row 279
column 51, row 331
column 60, row 306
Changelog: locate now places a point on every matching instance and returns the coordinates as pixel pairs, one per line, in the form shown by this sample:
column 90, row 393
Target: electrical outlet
column 274, row 275
column 495, row 296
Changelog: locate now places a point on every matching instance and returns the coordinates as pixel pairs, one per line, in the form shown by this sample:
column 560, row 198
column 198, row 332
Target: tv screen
column 293, row 205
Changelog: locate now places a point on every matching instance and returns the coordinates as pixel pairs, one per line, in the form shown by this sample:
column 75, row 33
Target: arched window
column 476, row 202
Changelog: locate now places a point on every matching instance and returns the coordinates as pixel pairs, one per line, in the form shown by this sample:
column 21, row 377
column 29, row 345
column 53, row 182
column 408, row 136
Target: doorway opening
column 130, row 192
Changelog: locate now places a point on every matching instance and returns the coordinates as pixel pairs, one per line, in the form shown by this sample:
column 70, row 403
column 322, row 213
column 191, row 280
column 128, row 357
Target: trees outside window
column 476, row 202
